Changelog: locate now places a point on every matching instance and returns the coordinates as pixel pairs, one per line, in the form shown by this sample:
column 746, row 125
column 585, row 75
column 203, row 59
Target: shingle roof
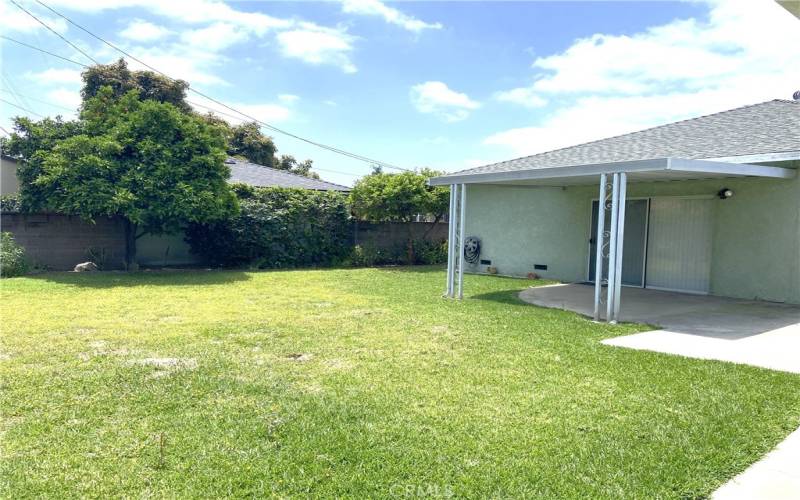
column 767, row 127
column 259, row 175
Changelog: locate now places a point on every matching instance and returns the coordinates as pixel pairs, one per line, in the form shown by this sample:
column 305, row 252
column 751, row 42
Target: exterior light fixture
column 725, row 193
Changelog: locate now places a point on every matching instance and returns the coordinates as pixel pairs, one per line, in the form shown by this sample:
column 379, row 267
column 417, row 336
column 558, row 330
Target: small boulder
column 86, row 267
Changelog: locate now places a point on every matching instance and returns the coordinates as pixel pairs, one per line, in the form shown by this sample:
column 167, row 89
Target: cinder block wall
column 392, row 234
column 58, row 242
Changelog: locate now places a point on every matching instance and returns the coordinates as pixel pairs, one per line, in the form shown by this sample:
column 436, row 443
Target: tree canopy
column 382, row 196
column 122, row 80
column 146, row 161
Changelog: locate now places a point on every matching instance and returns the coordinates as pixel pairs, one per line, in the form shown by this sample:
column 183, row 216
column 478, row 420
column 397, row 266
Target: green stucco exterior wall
column 755, row 239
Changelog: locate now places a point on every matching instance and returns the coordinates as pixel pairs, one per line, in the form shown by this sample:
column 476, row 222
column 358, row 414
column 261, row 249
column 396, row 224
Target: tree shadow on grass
column 113, row 279
column 509, row 297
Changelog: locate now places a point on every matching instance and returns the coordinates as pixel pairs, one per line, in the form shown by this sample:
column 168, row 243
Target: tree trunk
column 410, row 248
column 433, row 226
column 130, row 243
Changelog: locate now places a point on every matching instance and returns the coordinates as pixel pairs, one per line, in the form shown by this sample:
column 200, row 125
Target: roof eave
column 651, row 165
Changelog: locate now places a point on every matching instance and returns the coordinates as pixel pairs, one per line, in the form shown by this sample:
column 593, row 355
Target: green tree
column 145, row 161
column 247, row 140
column 383, row 197
column 121, row 80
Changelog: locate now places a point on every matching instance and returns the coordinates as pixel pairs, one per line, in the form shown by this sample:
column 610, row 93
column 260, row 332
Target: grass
column 355, row 383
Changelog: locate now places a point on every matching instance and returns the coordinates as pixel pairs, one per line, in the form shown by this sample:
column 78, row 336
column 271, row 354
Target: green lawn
column 355, row 383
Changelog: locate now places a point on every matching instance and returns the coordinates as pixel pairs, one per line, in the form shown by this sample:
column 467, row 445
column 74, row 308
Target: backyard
column 355, row 383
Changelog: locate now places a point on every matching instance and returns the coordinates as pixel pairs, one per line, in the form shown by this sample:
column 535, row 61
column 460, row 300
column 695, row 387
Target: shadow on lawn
column 502, row 296
column 112, row 279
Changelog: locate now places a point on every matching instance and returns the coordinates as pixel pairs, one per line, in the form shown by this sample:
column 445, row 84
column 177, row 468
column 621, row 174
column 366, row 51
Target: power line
column 38, row 100
column 56, row 33
column 4, row 130
column 20, row 107
column 45, row 51
column 249, row 117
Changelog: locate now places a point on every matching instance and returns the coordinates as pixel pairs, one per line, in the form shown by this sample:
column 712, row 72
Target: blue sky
column 447, row 85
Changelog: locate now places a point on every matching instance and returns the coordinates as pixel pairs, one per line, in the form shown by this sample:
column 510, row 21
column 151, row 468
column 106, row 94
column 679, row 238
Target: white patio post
column 623, row 191
column 451, row 232
column 612, row 250
column 462, row 234
column 598, row 260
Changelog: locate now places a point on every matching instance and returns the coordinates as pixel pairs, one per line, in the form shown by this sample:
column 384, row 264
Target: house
column 254, row 174
column 709, row 205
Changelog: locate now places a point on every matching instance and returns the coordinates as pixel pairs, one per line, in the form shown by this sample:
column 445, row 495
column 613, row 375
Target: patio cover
column 613, row 178
column 657, row 169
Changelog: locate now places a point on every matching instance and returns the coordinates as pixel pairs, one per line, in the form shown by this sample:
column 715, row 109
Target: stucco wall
column 755, row 240
column 523, row 226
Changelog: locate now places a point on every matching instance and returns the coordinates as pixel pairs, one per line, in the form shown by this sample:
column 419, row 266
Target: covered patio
column 605, row 299
column 758, row 333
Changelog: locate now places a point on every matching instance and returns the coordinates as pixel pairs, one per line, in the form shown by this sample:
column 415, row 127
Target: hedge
column 277, row 228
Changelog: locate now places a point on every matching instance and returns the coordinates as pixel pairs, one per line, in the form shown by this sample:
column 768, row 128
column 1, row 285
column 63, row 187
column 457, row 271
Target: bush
column 12, row 259
column 425, row 252
column 431, row 252
column 277, row 228
column 10, row 204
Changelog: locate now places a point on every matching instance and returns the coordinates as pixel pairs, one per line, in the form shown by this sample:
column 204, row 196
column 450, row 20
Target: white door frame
column 589, row 277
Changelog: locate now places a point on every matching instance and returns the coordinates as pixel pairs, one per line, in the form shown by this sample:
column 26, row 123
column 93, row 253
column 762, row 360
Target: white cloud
column 612, row 84
column 318, row 45
column 216, row 37
column 14, row 19
column 389, row 14
column 194, row 12
column 330, row 102
column 55, row 76
column 288, row 98
column 143, row 31
column 438, row 99
column 67, row 98
column 523, row 96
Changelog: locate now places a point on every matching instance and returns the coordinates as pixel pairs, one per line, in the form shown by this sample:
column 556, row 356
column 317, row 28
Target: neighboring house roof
column 261, row 176
column 764, row 128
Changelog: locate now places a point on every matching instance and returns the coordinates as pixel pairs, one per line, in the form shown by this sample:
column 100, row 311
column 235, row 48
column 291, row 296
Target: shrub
column 12, row 257
column 425, row 252
column 431, row 252
column 10, row 204
column 277, row 228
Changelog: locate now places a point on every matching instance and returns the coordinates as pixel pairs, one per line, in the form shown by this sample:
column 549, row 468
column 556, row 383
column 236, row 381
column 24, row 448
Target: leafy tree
column 247, row 140
column 383, row 197
column 145, row 161
column 122, row 80
column 287, row 162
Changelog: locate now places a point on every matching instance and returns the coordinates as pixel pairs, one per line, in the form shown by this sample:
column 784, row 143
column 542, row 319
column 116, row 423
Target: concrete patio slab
column 763, row 334
column 775, row 477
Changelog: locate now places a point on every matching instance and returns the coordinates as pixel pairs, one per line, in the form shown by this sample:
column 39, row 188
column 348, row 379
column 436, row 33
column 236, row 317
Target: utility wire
column 220, row 103
column 4, row 130
column 20, row 107
column 38, row 100
column 56, row 33
column 45, row 51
